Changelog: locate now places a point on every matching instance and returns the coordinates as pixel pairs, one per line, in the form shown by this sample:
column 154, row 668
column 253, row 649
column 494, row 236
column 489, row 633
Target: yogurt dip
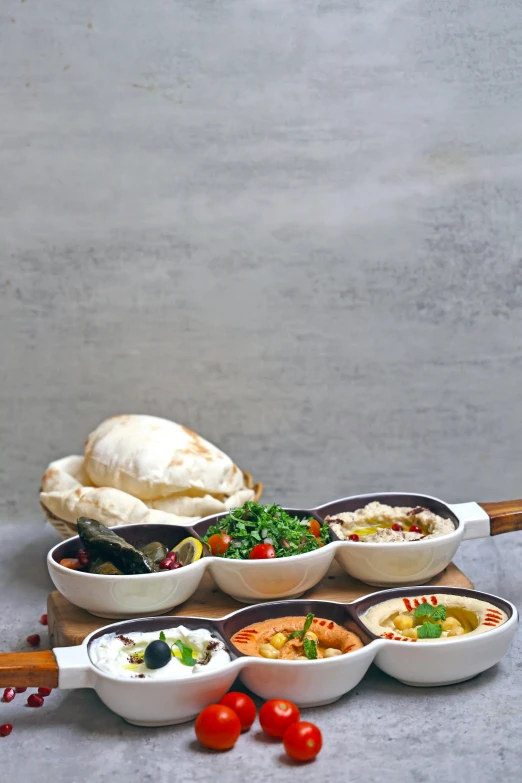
column 378, row 523
column 432, row 616
column 121, row 655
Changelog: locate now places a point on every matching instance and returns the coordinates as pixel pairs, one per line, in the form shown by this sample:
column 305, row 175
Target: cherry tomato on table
column 314, row 527
column 276, row 715
column 242, row 705
column 302, row 741
column 217, row 727
column 219, row 543
column 262, row 552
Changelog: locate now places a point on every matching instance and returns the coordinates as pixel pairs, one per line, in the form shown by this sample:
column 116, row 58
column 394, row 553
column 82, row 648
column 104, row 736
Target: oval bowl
column 128, row 596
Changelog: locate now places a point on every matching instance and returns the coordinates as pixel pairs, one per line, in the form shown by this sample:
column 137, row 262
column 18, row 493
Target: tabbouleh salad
column 255, row 532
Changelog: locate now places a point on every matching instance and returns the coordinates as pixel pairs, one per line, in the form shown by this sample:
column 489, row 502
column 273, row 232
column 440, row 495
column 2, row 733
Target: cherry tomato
column 217, row 727
column 243, row 706
column 262, row 552
column 276, row 715
column 302, row 741
column 219, row 543
column 314, row 527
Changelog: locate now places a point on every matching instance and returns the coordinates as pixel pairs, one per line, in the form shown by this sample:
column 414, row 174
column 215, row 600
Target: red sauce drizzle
column 416, row 602
column 331, row 625
column 433, row 600
column 424, row 600
column 322, row 622
column 492, row 624
column 407, row 604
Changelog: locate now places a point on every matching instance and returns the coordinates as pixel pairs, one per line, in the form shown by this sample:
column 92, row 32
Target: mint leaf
column 439, row 613
column 310, row 649
column 187, row 659
column 306, row 627
column 308, row 622
column 429, row 631
column 162, row 636
column 424, row 610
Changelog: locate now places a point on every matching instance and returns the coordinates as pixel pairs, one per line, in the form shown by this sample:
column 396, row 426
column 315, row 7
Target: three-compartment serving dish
column 394, row 642
column 150, row 702
column 248, row 581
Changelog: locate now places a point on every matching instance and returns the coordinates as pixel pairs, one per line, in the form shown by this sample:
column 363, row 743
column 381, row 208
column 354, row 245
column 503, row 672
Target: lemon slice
column 188, row 551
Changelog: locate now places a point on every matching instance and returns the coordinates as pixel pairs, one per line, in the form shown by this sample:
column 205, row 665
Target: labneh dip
column 378, row 523
column 122, row 655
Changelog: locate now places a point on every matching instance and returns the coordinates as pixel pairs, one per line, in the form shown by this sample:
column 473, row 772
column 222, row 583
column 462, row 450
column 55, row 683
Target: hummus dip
column 378, row 523
column 432, row 616
column 122, row 656
column 276, row 639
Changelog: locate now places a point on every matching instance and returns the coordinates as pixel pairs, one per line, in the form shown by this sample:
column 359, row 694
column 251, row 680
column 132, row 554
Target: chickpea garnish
column 403, row 621
column 268, row 651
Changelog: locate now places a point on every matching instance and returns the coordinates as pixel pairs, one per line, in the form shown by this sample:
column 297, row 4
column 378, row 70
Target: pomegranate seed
column 82, row 557
column 9, row 694
column 354, row 537
column 34, row 700
column 5, row 729
column 173, row 556
column 44, row 619
column 173, row 565
column 415, row 529
column 20, row 690
column 396, row 527
column 34, row 640
column 43, row 692
column 164, row 565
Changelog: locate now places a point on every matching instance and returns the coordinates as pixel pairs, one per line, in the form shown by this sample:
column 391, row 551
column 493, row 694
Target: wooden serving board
column 69, row 625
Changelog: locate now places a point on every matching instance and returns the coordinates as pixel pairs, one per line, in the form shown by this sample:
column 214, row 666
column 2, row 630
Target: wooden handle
column 28, row 670
column 505, row 516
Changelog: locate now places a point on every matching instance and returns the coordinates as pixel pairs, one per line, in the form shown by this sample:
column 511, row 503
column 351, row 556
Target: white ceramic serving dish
column 250, row 581
column 148, row 702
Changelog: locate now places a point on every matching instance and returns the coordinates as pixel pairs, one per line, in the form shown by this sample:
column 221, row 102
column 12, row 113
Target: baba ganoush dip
column 432, row 616
column 192, row 652
column 378, row 523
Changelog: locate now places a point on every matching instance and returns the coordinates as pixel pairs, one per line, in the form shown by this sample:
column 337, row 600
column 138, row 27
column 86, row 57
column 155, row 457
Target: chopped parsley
column 254, row 524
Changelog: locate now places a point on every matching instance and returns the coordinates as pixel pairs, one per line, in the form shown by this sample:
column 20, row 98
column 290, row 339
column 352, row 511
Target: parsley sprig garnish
column 253, row 523
column 429, row 629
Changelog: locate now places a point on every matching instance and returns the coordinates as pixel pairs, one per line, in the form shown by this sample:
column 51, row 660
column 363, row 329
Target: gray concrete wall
column 293, row 226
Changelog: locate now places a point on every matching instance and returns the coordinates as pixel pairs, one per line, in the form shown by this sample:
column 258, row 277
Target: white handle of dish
column 473, row 518
column 74, row 667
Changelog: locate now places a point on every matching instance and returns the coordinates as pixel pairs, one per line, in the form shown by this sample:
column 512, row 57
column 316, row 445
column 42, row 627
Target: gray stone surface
column 295, row 227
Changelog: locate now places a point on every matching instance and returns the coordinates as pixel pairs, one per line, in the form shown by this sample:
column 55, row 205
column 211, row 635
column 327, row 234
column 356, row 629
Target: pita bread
column 105, row 504
column 66, row 473
column 154, row 458
column 200, row 505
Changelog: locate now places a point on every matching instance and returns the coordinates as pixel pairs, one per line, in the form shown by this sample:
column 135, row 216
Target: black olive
column 157, row 654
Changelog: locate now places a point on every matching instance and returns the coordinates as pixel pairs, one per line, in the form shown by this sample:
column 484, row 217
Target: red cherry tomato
column 243, row 706
column 219, row 543
column 302, row 741
column 262, row 552
column 217, row 727
column 314, row 527
column 276, row 715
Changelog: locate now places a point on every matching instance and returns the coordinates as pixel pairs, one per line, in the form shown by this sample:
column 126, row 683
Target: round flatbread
column 194, row 503
column 153, row 458
column 105, row 504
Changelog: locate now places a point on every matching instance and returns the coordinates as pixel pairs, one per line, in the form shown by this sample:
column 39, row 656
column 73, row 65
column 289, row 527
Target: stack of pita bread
column 143, row 469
